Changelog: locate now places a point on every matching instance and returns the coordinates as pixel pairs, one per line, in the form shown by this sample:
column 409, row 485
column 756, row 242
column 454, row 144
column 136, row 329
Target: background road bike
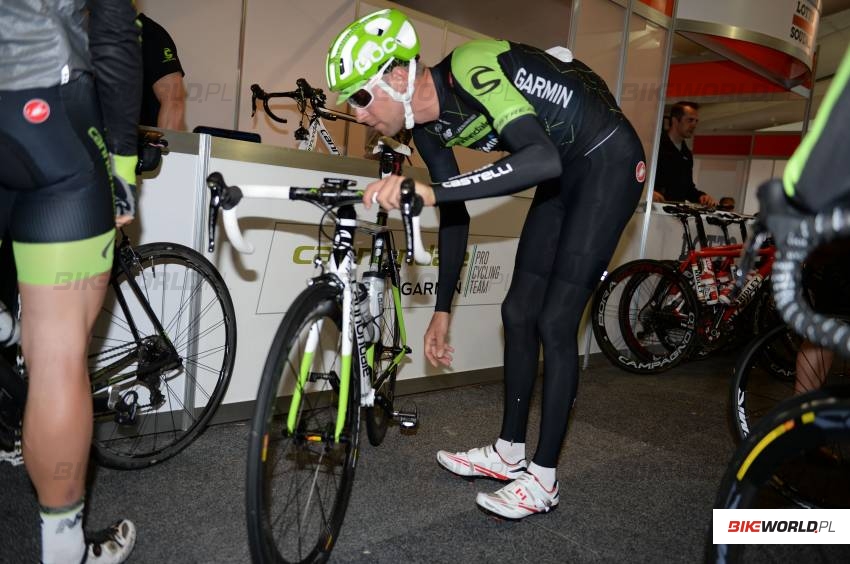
column 650, row 315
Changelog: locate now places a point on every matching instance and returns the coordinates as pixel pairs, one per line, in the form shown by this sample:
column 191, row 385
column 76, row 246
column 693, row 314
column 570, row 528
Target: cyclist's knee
column 524, row 300
column 559, row 320
column 516, row 315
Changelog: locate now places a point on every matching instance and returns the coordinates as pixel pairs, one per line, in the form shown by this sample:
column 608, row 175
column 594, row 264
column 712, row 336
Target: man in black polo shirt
column 164, row 99
column 674, row 179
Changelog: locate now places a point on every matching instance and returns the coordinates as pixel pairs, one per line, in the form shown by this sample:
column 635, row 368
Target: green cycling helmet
column 364, row 47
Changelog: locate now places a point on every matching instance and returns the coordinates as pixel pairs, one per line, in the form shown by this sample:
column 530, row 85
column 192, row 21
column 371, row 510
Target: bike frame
column 318, row 130
column 124, row 257
column 342, row 269
column 728, row 253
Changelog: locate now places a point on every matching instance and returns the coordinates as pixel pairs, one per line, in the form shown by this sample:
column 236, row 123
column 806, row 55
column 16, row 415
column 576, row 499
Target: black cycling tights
column 569, row 236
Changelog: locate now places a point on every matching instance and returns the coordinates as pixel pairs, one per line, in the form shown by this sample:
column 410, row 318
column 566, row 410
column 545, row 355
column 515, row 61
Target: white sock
column 511, row 452
column 62, row 534
column 546, row 476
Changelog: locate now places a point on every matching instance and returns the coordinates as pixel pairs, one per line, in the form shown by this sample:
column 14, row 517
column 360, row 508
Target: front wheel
column 161, row 354
column 299, row 472
column 798, row 450
column 384, row 367
column 644, row 317
column 775, row 367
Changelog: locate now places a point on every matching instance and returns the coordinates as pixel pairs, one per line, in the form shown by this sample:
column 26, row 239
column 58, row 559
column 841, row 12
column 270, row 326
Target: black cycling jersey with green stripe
column 485, row 88
column 498, row 95
column 818, row 174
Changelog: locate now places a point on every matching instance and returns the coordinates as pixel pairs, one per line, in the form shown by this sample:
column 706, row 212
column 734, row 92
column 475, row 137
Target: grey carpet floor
column 638, row 475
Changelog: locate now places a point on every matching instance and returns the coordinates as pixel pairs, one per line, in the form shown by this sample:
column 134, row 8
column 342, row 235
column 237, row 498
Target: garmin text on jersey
column 542, row 88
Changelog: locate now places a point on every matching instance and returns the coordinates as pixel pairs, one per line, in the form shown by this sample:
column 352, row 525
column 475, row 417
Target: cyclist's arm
column 817, row 176
column 454, row 219
column 117, row 60
column 533, row 158
column 163, row 69
column 171, row 94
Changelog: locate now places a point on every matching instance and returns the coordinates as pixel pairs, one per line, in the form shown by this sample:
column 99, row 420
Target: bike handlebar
column 796, row 234
column 303, row 95
column 334, row 192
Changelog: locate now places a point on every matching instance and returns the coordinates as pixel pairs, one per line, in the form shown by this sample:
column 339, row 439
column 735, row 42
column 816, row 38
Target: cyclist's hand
column 707, row 200
column 436, row 350
column 124, row 188
column 388, row 191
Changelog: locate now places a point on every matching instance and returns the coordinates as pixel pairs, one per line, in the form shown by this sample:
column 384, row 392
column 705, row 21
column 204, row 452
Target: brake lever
column 214, row 182
column 411, row 205
column 254, row 90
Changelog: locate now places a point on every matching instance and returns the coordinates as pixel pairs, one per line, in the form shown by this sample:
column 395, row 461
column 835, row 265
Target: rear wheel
column 644, row 316
column 299, row 475
column 155, row 392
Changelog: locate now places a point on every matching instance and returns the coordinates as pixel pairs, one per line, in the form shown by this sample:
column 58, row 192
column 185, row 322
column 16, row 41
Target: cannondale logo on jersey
column 484, row 87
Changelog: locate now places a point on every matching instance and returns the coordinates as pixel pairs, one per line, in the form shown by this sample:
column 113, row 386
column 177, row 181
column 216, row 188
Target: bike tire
column 644, row 317
column 305, row 470
column 171, row 276
column 765, row 375
column 383, row 369
column 797, row 436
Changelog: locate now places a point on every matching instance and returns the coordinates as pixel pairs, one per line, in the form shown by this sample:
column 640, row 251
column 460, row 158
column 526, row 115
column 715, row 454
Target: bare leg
column 813, row 364
column 57, row 430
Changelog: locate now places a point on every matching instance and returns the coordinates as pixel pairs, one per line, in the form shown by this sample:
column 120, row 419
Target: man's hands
column 658, row 197
column 388, row 192
column 707, row 200
column 124, row 188
column 436, row 350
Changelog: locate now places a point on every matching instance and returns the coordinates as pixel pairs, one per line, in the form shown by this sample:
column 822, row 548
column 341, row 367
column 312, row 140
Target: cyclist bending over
column 57, row 59
column 566, row 135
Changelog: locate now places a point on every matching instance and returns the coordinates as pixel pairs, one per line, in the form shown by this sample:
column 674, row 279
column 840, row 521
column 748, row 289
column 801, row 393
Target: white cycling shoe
column 523, row 497
column 481, row 463
column 112, row 545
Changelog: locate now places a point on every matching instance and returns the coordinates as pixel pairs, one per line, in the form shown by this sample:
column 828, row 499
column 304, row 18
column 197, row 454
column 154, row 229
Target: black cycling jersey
column 818, row 173
column 497, row 95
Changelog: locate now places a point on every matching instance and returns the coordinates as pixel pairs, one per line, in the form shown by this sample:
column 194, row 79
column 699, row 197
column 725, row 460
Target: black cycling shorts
column 55, row 185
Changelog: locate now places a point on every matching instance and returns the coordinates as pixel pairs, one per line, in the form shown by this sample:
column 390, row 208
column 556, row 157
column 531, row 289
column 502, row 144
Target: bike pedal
column 125, row 410
column 407, row 419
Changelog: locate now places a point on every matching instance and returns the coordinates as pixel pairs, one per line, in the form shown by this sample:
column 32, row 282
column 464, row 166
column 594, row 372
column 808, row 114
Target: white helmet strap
column 403, row 97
